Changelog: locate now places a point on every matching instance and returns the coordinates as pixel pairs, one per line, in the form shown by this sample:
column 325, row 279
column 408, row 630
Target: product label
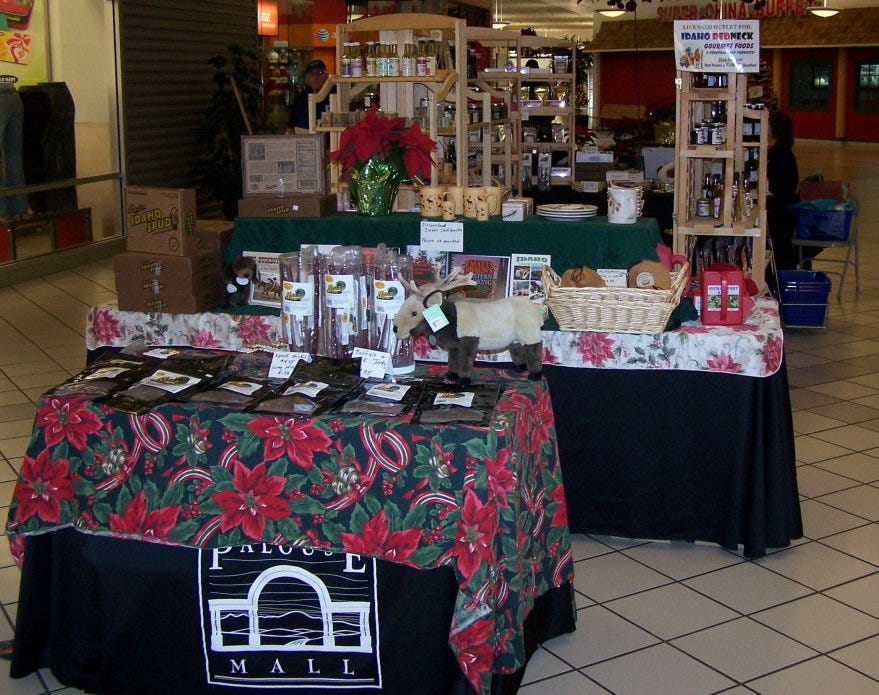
column 340, row 291
column 297, row 298
column 389, row 296
column 462, row 399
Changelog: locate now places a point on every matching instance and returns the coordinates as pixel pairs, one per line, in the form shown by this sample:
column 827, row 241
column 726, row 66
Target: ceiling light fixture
column 822, row 9
column 611, row 12
column 499, row 22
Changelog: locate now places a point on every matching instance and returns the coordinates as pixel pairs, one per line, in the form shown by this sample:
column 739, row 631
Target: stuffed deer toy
column 464, row 326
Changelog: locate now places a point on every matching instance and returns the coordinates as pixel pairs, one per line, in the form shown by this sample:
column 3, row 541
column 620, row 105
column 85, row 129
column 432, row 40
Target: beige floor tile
column 818, row 676
column 820, row 520
column 681, row 560
column 802, row 399
column 20, row 355
column 813, row 481
column 13, row 397
column 844, row 390
column 851, row 437
column 16, row 428
column 610, row 576
column 811, row 450
column 671, row 611
column 816, row 565
column 9, row 581
column 862, row 542
column 820, row 622
column 861, row 657
column 846, row 411
column 747, row 587
column 43, row 380
column 14, row 448
column 17, row 411
column 757, row 651
column 31, row 685
column 544, row 665
column 862, row 501
column 25, row 368
column 863, row 467
column 583, row 547
column 600, row 635
column 659, row 670
column 574, row 683
column 868, row 401
column 806, row 422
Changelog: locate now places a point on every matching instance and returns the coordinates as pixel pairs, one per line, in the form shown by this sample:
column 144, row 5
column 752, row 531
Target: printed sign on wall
column 717, row 45
column 299, row 618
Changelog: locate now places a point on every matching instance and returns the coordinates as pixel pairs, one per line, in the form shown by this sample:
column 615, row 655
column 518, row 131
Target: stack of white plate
column 567, row 211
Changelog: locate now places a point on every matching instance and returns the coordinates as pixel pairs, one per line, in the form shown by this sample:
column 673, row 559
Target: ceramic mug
column 449, row 209
column 456, row 193
column 432, row 200
column 494, row 195
column 472, row 197
column 482, row 208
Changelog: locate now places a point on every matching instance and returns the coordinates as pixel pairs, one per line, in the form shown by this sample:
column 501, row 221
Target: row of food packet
column 135, row 383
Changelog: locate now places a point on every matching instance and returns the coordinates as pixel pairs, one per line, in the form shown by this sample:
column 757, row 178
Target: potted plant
column 378, row 154
column 226, row 120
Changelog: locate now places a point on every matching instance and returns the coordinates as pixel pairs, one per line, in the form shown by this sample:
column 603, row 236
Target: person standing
column 783, row 179
column 315, row 78
column 11, row 134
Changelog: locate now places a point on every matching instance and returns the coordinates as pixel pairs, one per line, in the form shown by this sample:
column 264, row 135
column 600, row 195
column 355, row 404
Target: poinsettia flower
column 560, row 515
column 723, row 363
column 474, row 535
column 501, row 480
column 385, row 138
column 253, row 330
column 298, row 440
column 256, row 497
column 204, row 339
column 67, row 418
column 104, row 327
column 594, row 347
column 42, row 485
column 772, row 353
column 137, row 520
column 473, row 650
column 377, row 540
column 535, row 417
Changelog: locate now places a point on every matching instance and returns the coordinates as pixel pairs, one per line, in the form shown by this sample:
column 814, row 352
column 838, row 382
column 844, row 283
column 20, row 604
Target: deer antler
column 449, row 282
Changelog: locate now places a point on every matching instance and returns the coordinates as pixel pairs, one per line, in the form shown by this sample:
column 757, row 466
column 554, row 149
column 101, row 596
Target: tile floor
column 654, row 617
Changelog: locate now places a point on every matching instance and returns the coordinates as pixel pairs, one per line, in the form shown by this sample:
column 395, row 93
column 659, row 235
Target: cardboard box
column 140, row 267
column 283, row 165
column 630, row 175
column 593, row 171
column 514, row 211
column 214, row 235
column 589, row 186
column 160, row 220
column 136, row 299
column 288, row 206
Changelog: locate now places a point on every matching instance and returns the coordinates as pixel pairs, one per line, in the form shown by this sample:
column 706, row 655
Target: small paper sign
column 283, row 364
column 442, row 236
column 374, row 364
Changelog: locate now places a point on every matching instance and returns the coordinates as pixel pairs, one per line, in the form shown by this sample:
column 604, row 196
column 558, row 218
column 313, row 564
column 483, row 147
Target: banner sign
column 276, row 616
column 717, row 46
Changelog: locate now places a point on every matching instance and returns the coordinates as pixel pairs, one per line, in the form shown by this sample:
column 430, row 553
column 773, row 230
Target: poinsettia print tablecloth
column 487, row 501
column 754, row 348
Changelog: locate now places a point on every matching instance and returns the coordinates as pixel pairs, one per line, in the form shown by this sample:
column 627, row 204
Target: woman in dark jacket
column 783, row 179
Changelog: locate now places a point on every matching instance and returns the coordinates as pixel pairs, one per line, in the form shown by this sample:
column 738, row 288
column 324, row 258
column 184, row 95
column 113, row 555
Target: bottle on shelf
column 708, row 197
column 717, row 186
column 393, row 60
column 738, row 208
column 747, row 198
column 408, row 66
column 371, row 58
column 381, row 61
column 356, row 60
column 345, row 60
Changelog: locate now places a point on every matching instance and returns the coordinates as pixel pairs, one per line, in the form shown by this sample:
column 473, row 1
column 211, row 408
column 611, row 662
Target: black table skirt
column 678, row 455
column 116, row 616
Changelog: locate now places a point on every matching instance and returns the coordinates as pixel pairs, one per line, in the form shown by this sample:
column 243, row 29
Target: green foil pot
column 374, row 187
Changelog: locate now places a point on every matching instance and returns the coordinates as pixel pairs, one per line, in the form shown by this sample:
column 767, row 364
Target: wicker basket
column 612, row 309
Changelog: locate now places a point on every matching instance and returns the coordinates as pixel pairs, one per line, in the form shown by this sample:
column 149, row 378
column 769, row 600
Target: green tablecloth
column 593, row 242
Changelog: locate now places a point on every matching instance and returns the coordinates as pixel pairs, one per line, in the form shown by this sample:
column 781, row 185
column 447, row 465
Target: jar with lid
column 356, row 60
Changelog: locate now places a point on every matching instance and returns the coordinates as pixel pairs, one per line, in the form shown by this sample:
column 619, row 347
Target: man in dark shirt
column 315, row 77
column 783, row 179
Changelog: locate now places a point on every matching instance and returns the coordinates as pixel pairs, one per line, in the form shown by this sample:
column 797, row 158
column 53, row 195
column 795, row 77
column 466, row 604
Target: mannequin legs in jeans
column 11, row 127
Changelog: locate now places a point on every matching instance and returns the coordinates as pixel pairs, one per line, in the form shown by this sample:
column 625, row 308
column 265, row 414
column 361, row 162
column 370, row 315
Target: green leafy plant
column 219, row 170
